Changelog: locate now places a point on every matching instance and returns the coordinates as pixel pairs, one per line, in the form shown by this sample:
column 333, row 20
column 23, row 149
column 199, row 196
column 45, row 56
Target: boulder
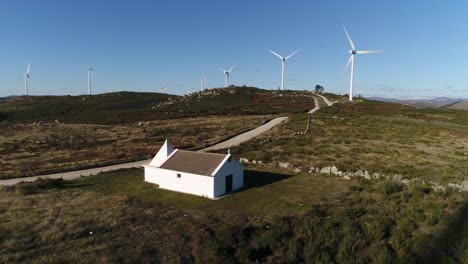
column 438, row 188
column 359, row 173
column 339, row 173
column 284, row 165
column 455, row 186
column 297, row 170
column 367, row 175
column 57, row 122
column 346, row 177
column 405, row 181
column 376, row 176
column 317, row 170
column 397, row 177
column 464, row 185
column 254, row 162
column 260, row 162
column 334, row 170
column 325, row 170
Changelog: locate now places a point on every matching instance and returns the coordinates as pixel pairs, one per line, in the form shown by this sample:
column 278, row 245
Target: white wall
column 187, row 183
column 228, row 168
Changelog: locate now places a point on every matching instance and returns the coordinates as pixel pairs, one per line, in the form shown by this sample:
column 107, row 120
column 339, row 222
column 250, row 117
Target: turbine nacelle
column 352, row 52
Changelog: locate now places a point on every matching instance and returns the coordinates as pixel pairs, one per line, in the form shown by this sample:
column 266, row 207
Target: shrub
column 40, row 184
column 390, row 187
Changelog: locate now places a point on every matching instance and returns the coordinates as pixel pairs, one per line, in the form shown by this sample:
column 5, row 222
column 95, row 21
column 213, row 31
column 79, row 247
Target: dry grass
column 28, row 149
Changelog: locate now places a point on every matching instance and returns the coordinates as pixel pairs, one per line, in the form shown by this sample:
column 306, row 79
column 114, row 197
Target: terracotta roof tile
column 193, row 162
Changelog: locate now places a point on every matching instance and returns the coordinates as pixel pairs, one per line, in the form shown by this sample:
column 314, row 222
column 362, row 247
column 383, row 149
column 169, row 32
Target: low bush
column 390, row 187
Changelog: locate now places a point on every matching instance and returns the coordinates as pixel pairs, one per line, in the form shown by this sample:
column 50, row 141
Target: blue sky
column 139, row 45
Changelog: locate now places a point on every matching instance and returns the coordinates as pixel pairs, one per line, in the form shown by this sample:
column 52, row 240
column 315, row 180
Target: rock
column 260, row 162
column 254, row 162
column 57, row 122
column 359, row 173
column 397, row 177
column 317, row 170
column 405, row 181
column 140, row 123
column 438, row 188
column 325, row 170
column 366, row 175
column 464, row 185
column 346, row 177
column 334, row 170
column 339, row 173
column 284, row 165
column 376, row 176
column 455, row 186
column 297, row 170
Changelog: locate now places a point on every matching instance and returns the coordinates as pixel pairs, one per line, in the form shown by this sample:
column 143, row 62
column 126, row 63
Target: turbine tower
column 26, row 77
column 90, row 69
column 283, row 61
column 353, row 52
column 203, row 80
column 226, row 73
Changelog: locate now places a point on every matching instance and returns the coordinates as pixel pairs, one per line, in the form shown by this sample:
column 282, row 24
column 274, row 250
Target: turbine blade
column 349, row 62
column 232, row 67
column 29, row 67
column 292, row 54
column 223, row 70
column 349, row 38
column 369, row 51
column 276, row 54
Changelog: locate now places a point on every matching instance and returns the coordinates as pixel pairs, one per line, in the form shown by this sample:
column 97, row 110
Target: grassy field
column 280, row 217
column 49, row 134
column 374, row 136
column 28, row 149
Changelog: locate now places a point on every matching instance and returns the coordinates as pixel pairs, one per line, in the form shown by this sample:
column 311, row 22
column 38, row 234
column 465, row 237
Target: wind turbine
column 226, row 73
column 203, row 80
column 90, row 69
column 26, row 77
column 163, row 88
column 353, row 52
column 283, row 61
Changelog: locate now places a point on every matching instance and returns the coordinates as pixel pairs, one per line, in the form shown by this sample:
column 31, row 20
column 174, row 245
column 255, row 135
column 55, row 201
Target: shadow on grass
column 255, row 179
column 450, row 246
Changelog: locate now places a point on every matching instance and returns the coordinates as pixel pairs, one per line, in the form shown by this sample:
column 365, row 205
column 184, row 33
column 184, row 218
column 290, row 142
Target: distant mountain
column 463, row 105
column 421, row 103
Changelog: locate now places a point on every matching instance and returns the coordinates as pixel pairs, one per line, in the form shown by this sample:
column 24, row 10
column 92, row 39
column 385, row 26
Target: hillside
column 463, row 105
column 127, row 107
column 420, row 103
column 287, row 213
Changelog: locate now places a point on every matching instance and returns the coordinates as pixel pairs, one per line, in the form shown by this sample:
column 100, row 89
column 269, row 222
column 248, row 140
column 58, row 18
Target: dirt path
column 316, row 106
column 223, row 145
column 247, row 135
column 326, row 100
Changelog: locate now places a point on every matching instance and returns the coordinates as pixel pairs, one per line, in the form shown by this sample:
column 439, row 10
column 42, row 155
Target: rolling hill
column 463, row 105
column 126, row 107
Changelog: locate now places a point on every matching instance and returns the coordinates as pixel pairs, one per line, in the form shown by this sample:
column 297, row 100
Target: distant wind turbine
column 90, row 69
column 26, row 77
column 283, row 61
column 163, row 88
column 353, row 52
column 203, row 80
column 226, row 73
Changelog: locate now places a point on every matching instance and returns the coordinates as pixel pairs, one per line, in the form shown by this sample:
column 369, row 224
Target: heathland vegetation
column 282, row 215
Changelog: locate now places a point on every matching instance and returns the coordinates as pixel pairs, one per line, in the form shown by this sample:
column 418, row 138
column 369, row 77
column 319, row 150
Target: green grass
column 279, row 217
column 374, row 136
